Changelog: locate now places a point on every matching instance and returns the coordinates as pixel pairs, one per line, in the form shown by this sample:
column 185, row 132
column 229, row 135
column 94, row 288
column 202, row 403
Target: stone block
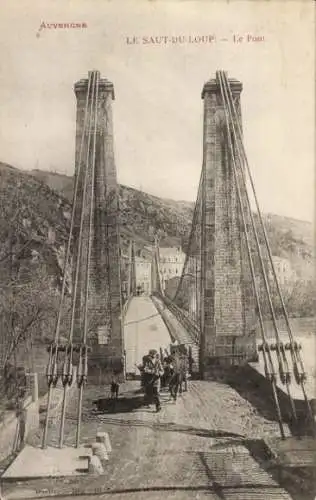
column 103, row 437
column 100, row 451
column 95, row 466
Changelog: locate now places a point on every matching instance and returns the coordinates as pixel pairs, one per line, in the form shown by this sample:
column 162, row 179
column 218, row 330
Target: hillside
column 34, row 227
column 35, row 210
column 36, row 216
column 61, row 183
column 143, row 214
column 45, row 199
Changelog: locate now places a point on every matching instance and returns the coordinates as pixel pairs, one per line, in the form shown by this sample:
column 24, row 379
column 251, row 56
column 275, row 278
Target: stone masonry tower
column 228, row 313
column 95, row 156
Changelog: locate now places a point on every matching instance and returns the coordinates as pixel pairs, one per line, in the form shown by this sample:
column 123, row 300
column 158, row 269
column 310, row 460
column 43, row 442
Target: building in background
column 143, row 274
column 171, row 262
column 284, row 271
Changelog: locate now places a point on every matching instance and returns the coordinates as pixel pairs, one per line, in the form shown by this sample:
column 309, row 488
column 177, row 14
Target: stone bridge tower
column 105, row 335
column 228, row 313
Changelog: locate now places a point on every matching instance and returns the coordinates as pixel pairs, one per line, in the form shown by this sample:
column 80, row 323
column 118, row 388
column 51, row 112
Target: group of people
column 171, row 372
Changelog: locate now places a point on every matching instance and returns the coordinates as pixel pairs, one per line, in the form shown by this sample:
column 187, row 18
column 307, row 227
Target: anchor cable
column 77, row 269
column 294, row 350
column 284, row 374
column 271, row 373
column 190, row 242
column 84, row 368
column 52, row 363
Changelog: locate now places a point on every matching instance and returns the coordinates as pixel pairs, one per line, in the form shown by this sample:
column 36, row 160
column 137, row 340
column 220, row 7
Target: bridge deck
column 305, row 339
column 144, row 329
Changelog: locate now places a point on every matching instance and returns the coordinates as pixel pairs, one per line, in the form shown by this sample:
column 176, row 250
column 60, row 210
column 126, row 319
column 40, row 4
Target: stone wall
column 32, row 416
column 15, row 427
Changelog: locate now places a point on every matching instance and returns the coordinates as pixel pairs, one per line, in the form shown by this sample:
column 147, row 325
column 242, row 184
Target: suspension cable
column 74, row 202
column 53, row 355
column 85, row 332
column 79, row 253
column 261, row 220
column 129, row 277
column 133, row 268
column 284, row 375
column 295, row 353
column 196, row 290
column 199, row 278
column 266, row 349
column 195, row 215
column 157, row 262
column 203, row 270
column 84, row 368
column 108, row 304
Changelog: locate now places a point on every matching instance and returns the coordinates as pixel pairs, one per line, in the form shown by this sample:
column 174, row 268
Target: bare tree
column 28, row 295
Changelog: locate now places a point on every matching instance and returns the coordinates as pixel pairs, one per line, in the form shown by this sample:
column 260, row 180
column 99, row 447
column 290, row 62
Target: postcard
column 157, row 291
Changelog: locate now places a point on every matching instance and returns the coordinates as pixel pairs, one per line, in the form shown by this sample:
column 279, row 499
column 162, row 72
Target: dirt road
column 206, row 445
column 202, row 446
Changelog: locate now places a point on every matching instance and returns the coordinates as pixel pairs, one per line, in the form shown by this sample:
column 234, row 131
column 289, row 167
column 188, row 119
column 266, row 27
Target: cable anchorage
column 284, row 371
column 67, row 371
column 268, row 363
column 297, row 362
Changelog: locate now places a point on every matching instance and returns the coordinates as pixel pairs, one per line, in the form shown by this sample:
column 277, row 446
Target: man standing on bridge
column 153, row 367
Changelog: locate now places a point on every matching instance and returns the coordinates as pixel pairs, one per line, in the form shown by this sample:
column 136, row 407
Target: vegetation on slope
column 34, row 226
column 35, row 209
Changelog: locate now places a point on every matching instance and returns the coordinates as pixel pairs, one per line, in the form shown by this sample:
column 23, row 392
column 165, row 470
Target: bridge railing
column 183, row 317
column 125, row 307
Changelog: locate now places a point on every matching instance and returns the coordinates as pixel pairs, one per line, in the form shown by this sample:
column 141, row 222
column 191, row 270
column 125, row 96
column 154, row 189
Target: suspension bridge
column 220, row 302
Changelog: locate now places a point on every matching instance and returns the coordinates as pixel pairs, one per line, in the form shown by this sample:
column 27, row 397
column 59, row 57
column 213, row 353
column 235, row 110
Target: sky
column 158, row 110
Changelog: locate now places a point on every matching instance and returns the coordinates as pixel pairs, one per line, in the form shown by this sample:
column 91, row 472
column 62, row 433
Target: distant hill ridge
column 35, row 212
column 34, row 215
column 143, row 214
column 146, row 213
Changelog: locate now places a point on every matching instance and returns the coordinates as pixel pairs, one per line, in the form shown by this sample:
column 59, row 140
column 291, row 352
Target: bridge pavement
column 207, row 445
column 144, row 329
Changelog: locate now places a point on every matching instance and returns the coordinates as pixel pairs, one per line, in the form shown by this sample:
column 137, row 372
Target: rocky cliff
column 142, row 215
column 36, row 209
